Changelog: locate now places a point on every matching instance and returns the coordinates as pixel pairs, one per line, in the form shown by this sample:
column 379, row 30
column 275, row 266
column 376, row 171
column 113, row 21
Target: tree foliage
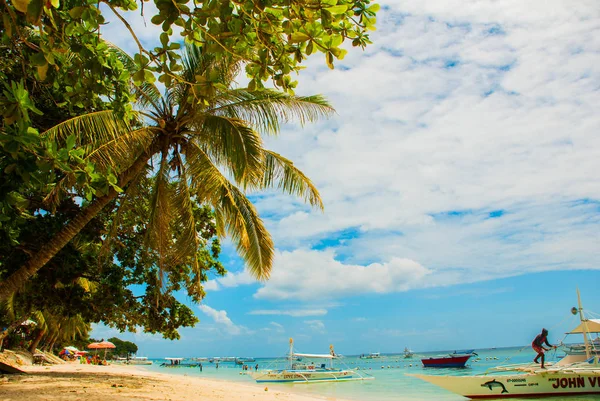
column 272, row 37
column 85, row 131
column 123, row 348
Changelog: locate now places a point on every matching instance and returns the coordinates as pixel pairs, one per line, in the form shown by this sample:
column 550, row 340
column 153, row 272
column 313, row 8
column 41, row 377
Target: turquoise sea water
column 391, row 381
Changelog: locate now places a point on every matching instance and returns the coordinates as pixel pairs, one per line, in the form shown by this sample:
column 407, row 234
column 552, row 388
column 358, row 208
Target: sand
column 73, row 381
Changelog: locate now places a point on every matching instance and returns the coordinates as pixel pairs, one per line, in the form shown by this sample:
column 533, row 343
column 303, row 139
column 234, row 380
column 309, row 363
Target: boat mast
column 291, row 354
column 583, row 326
column 332, row 352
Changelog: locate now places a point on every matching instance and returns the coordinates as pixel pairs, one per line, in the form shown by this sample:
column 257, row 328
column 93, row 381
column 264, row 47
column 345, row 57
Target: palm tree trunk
column 51, row 345
column 10, row 328
column 62, row 238
column 36, row 341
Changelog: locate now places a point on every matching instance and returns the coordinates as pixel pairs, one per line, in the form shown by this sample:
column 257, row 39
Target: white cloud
column 470, row 106
column 230, row 280
column 277, row 327
column 473, row 107
column 316, row 325
column 293, row 312
column 309, row 275
column 223, row 321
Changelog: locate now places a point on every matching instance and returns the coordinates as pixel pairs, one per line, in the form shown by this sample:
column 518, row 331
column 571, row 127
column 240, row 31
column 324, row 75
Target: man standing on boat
column 538, row 346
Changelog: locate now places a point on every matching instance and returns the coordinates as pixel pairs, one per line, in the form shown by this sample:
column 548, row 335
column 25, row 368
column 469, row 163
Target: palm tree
column 201, row 141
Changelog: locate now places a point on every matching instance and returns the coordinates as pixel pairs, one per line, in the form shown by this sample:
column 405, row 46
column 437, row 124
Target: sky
column 459, row 177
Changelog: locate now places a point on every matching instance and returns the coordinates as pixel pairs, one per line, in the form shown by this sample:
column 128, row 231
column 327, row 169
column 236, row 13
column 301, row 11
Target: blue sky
column 460, row 185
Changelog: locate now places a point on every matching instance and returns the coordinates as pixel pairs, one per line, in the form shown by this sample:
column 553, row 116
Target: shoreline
column 73, row 381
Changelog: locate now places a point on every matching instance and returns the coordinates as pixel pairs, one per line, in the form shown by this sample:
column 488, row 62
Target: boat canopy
column 322, row 356
column 589, row 326
column 174, row 359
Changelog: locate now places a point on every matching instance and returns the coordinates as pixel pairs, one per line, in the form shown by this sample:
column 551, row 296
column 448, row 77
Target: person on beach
column 256, row 367
column 200, row 367
column 538, row 346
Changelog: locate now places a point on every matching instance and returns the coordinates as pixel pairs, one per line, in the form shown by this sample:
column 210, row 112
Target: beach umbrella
column 102, row 345
column 71, row 348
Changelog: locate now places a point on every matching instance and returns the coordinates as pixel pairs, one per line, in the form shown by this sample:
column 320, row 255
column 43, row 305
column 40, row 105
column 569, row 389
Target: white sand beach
column 74, row 381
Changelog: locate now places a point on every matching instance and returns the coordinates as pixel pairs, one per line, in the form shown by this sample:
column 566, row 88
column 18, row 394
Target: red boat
column 449, row 361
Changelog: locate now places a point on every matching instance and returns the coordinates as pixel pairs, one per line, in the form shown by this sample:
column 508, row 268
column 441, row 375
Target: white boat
column 301, row 372
column 139, row 360
column 136, row 360
column 408, row 353
column 372, row 355
column 572, row 375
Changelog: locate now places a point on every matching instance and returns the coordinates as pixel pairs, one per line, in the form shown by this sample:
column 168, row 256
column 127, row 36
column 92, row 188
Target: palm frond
column 232, row 144
column 185, row 222
column 89, row 129
column 146, row 94
column 119, row 153
column 160, row 215
column 281, row 173
column 218, row 68
column 116, row 154
column 86, row 285
column 233, row 211
column 40, row 319
column 266, row 109
column 9, row 306
column 126, row 202
column 247, row 231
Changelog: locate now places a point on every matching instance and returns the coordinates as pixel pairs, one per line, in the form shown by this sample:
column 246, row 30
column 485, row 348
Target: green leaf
column 329, row 60
column 149, row 76
column 7, row 24
column 157, row 19
column 38, row 59
column 42, row 70
column 309, row 48
column 55, row 3
column 34, row 11
column 21, row 5
column 337, row 9
column 76, row 12
column 164, row 39
column 70, row 141
column 138, row 77
column 374, row 8
column 299, row 37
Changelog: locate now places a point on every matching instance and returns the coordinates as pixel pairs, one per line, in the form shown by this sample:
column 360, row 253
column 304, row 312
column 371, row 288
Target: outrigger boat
column 408, row 353
column 178, row 363
column 572, row 375
column 297, row 372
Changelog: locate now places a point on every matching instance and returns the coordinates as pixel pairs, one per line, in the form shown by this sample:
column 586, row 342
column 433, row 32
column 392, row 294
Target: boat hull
column 519, row 385
column 304, row 376
column 446, row 362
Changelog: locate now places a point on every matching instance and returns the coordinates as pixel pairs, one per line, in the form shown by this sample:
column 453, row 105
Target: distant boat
column 178, row 363
column 447, row 361
column 139, row 360
column 408, row 353
column 136, row 360
column 242, row 361
column 297, row 372
column 372, row 355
